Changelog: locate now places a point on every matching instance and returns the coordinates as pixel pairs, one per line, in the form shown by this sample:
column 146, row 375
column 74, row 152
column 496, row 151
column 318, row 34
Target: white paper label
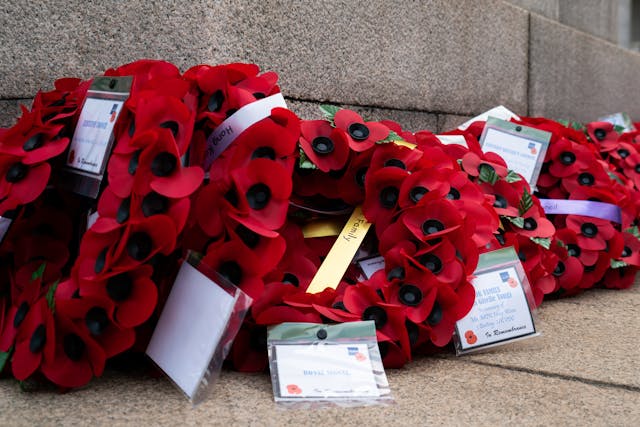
column 520, row 153
column 5, row 223
column 371, row 265
column 92, row 218
column 190, row 327
column 93, row 133
column 318, row 370
column 453, row 139
column 499, row 112
column 619, row 119
column 500, row 311
column 242, row 119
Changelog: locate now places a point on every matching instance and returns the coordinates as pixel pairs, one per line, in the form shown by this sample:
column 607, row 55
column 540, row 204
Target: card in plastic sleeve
column 503, row 306
column 196, row 328
column 93, row 138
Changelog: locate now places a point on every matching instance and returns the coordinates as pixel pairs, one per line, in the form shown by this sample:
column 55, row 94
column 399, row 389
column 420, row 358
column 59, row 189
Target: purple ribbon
column 582, row 207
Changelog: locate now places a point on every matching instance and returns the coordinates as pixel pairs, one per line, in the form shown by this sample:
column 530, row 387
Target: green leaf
column 526, row 202
column 513, row 177
column 392, row 137
column 615, row 177
column 634, row 231
column 39, row 272
column 487, row 174
column 515, row 220
column 50, row 295
column 560, row 243
column 565, row 123
column 545, row 242
column 4, row 357
column 578, row 126
column 304, row 162
column 329, row 112
column 618, row 264
column 618, row 128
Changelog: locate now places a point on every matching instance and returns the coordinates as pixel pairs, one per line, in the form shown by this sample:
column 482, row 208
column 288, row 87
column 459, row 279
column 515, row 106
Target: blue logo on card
column 504, row 276
column 531, row 145
column 352, row 350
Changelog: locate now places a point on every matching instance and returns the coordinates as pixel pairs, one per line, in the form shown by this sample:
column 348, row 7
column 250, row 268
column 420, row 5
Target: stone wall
column 428, row 64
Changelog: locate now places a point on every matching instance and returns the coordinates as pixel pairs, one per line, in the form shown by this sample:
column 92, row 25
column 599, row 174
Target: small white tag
column 239, row 121
column 92, row 136
column 499, row 112
column 5, row 223
column 500, row 312
column 190, row 328
column 331, row 370
column 619, row 119
column 92, row 218
column 453, row 139
column 371, row 265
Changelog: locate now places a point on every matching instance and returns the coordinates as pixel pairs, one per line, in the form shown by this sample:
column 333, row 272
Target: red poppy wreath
column 74, row 296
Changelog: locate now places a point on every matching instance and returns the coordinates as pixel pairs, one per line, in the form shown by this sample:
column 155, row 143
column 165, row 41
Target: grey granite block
column 548, row 8
column 579, row 77
column 596, row 17
column 10, row 110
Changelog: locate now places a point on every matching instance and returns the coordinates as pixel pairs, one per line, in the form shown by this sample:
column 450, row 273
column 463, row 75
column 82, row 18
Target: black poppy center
column 38, row 339
column 395, row 273
column 172, row 126
column 101, row 260
column 132, row 128
column 17, row 172
column 20, row 314
column 432, row 226
column 396, row 163
column 258, row 196
column 626, row 252
column 600, row 134
column 573, row 250
column 322, row 145
column 119, row 287
column 623, row 153
column 139, row 245
column 248, row 237
column 232, row 197
column 358, row 131
column 215, row 101
column 164, row 164
column 258, row 339
column 410, row 295
column 412, row 331
column 73, row 346
column 500, row 202
column 34, row 142
column 231, row 271
column 123, row 210
column 637, row 168
column 377, row 314
column 264, row 153
column 389, row 197
column 416, row 193
column 560, row 269
column 530, row 224
column 585, row 178
column 96, row 320
column 567, row 158
column 133, row 163
column 360, row 175
column 589, row 229
column 453, row 194
column 431, row 262
column 154, row 204
column 291, row 279
column 435, row 317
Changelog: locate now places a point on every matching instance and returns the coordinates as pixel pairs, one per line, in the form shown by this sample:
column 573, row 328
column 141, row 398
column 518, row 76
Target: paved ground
column 583, row 369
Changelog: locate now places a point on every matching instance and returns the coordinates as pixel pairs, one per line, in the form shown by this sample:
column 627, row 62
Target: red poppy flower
column 239, row 265
column 270, row 308
column 570, row 240
column 395, row 155
column 351, row 185
column 473, row 164
column 591, row 233
column 32, row 251
column 268, row 249
column 142, row 240
column 620, row 278
column 94, row 316
column 441, row 260
column 567, row 158
column 21, row 183
column 77, row 356
column 144, row 71
column 133, row 293
column 421, row 182
column 249, row 350
column 431, row 221
column 33, row 141
column 593, row 273
column 631, row 250
column 22, row 303
column 263, row 189
column 360, row 134
column 593, row 176
column 383, row 193
column 416, row 293
column 600, row 132
column 568, row 270
column 325, row 146
column 631, row 168
column 35, row 341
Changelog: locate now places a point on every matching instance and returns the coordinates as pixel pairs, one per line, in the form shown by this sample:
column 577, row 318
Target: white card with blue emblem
column 331, row 370
column 523, row 148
